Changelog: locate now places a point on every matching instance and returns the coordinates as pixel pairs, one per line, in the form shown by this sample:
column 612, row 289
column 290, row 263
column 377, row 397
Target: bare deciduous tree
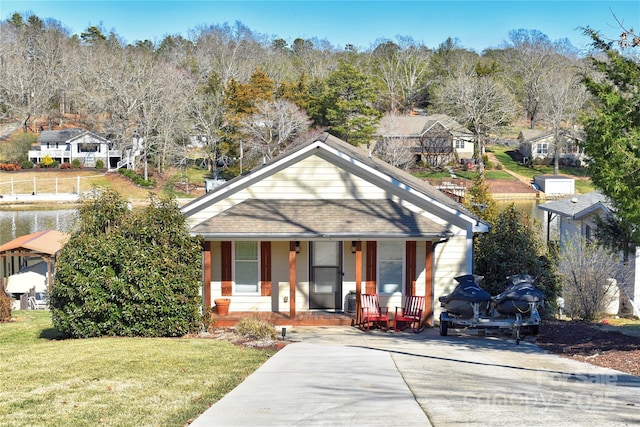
column 272, row 127
column 563, row 97
column 590, row 273
column 480, row 103
column 529, row 54
column 396, row 151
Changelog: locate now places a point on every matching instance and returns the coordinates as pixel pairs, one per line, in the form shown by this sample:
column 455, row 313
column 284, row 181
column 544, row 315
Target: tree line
column 247, row 95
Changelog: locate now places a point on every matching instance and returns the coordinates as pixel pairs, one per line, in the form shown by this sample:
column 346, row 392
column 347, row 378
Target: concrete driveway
column 343, row 376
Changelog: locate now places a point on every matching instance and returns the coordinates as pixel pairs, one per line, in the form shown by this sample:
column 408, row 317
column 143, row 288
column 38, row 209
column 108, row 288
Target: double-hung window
column 390, row 267
column 246, row 265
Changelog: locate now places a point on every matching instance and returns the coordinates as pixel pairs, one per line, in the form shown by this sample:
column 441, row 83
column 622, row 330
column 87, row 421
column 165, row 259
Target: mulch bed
column 591, row 343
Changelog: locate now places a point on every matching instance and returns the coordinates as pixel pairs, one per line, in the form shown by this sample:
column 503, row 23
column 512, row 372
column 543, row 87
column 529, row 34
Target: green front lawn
column 112, row 381
column 530, row 172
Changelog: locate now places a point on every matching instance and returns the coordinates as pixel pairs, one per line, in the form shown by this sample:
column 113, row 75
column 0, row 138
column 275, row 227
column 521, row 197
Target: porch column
column 428, row 284
column 49, row 274
column 292, row 280
column 206, row 277
column 358, row 280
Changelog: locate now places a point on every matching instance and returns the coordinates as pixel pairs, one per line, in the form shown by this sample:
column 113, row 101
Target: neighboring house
column 538, row 144
column 575, row 217
column 303, row 230
column 436, row 139
column 67, row 145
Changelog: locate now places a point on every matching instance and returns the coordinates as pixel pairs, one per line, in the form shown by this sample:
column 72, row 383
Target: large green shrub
column 513, row 246
column 128, row 273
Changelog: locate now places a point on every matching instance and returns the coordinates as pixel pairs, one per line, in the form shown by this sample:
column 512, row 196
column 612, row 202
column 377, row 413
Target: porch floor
column 303, row 318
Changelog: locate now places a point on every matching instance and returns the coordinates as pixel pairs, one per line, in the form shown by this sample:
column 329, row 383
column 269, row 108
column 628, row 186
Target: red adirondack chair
column 410, row 314
column 372, row 313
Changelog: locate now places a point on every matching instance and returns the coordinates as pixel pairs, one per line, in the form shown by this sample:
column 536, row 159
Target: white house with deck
column 67, row 145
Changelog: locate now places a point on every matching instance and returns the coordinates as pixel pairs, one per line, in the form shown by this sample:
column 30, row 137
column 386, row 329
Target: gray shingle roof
column 319, row 218
column 59, row 135
column 577, row 206
column 399, row 126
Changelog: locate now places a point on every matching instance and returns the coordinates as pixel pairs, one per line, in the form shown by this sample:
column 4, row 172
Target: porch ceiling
column 300, row 219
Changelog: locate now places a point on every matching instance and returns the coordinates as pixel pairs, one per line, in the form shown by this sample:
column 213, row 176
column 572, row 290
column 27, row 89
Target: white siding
column 452, row 259
column 312, row 178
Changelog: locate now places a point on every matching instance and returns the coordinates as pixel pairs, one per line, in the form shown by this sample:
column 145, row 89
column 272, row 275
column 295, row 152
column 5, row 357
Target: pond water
column 16, row 223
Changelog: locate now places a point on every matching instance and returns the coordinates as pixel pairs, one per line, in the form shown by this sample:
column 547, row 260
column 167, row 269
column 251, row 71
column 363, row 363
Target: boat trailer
column 527, row 319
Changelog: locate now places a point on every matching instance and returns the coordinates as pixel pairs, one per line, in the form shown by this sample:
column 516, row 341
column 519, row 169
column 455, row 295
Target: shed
column 553, row 184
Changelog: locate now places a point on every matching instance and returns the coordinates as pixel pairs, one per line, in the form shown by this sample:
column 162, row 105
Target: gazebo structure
column 45, row 245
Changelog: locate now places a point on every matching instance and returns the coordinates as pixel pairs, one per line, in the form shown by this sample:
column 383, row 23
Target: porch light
column 297, row 246
column 353, row 247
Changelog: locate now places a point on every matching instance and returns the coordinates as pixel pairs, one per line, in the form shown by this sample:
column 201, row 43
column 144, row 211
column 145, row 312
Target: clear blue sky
column 476, row 24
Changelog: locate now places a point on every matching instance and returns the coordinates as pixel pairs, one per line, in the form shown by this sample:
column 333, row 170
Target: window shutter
column 226, row 268
column 410, row 272
column 265, row 268
column 370, row 268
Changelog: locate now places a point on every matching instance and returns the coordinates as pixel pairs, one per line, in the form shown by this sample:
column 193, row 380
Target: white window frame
column 380, row 261
column 543, row 148
column 459, row 144
column 236, row 291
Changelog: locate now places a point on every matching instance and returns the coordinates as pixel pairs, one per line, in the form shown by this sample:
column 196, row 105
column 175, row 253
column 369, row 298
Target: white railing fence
column 57, row 185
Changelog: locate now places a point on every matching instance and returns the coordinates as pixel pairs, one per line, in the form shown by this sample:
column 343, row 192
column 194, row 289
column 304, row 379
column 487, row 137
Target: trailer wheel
column 444, row 327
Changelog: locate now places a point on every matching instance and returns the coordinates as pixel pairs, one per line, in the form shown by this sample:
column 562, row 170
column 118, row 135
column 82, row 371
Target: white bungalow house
column 67, row 145
column 575, row 217
column 538, row 144
column 324, row 219
column 435, row 139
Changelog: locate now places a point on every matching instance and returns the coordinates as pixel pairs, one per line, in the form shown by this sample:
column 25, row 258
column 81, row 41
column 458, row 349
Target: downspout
column 445, row 240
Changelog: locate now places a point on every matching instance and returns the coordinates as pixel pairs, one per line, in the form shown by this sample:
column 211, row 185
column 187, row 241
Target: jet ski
column 520, row 296
column 468, row 298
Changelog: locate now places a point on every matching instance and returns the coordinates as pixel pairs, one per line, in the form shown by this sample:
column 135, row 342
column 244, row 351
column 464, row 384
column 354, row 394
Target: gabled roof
column 47, row 242
column 356, row 161
column 90, row 134
column 63, row 135
column 532, row 135
column 415, row 126
column 579, row 206
column 447, row 122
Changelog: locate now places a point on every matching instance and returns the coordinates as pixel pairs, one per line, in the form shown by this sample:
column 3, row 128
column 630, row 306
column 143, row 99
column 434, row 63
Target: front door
column 326, row 275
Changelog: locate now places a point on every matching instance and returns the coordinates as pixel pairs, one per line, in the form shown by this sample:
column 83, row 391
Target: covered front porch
column 319, row 282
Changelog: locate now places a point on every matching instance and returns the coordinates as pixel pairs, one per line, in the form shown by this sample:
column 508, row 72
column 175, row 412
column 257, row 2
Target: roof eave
column 321, row 236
